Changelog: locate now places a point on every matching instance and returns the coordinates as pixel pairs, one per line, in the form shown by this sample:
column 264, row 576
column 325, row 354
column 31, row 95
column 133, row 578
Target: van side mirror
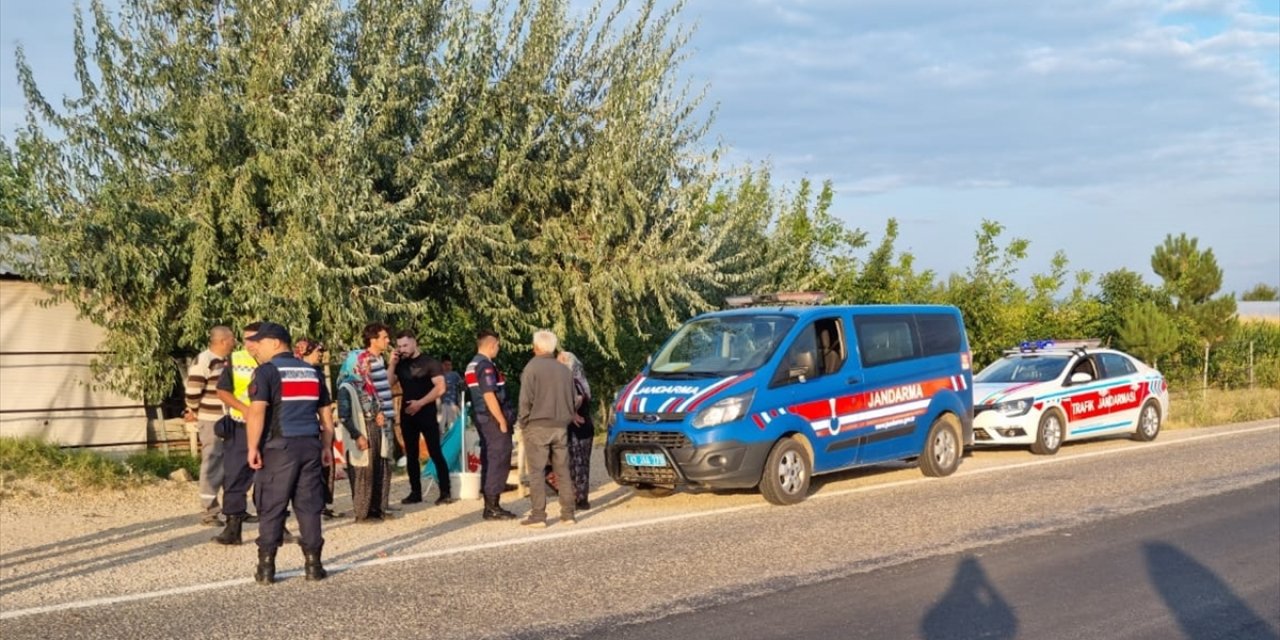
column 1080, row 377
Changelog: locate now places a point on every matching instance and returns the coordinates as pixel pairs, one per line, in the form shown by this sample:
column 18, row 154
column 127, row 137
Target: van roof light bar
column 780, row 298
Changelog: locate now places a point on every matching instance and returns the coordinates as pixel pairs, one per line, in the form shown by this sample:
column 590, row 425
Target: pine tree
column 1147, row 332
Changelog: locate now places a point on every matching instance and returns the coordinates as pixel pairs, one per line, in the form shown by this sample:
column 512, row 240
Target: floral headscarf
column 579, row 374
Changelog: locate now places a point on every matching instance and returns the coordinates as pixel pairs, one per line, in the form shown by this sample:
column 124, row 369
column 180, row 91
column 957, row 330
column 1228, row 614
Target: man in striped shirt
column 377, row 337
column 204, row 408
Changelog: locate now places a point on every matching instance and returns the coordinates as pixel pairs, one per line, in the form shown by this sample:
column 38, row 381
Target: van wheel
column 1148, row 422
column 1049, row 434
column 787, row 471
column 942, row 449
column 654, row 490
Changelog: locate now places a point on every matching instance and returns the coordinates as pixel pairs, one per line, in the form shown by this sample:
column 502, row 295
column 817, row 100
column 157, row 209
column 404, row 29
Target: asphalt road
column 1203, row 569
column 1131, row 524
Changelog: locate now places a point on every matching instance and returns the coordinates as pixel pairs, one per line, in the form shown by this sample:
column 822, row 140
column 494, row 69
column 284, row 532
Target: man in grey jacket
column 546, row 410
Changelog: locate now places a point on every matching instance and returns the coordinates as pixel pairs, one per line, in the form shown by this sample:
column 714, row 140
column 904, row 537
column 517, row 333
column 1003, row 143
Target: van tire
column 1149, row 423
column 1050, row 433
column 943, row 447
column 787, row 472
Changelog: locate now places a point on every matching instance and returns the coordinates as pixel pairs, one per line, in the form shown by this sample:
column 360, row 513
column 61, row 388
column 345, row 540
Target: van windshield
column 1024, row 369
column 720, row 346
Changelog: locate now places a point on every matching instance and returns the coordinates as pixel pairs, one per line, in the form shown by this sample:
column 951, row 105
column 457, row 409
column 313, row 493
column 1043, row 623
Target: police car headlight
column 1014, row 408
column 726, row 410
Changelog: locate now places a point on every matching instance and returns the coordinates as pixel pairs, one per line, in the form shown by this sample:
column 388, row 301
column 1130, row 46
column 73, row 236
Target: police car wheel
column 1148, row 423
column 1049, row 434
column 942, row 448
column 787, row 471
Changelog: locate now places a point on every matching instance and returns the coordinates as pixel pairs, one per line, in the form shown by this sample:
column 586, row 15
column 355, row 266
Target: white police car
column 1044, row 394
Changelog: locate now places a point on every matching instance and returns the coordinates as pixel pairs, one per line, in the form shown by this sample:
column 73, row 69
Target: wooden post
column 1250, row 364
column 1204, row 383
column 156, row 429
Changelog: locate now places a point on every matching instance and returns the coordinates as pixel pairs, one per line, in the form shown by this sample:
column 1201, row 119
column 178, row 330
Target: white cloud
column 1035, row 94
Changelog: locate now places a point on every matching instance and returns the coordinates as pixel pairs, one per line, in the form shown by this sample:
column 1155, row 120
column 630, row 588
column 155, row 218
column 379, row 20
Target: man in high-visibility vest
column 233, row 390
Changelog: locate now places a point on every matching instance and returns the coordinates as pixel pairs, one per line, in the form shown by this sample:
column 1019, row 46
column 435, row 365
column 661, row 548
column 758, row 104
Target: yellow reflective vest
column 242, row 367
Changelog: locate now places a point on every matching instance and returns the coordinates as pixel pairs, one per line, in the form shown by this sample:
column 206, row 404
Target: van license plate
column 646, row 459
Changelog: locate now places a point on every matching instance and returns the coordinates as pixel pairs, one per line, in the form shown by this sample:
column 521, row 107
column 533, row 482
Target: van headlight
column 726, row 410
column 1014, row 408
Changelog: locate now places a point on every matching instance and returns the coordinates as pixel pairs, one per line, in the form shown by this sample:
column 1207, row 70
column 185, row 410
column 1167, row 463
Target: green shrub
column 33, row 462
column 157, row 464
column 67, row 470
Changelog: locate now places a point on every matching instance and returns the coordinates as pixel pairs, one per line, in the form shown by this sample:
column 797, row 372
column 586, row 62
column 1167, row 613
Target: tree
column 993, row 304
column 323, row 163
column 1261, row 292
column 1147, row 332
column 1192, row 277
column 1120, row 290
column 886, row 276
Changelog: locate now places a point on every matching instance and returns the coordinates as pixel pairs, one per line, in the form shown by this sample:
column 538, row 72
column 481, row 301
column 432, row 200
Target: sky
column 1093, row 127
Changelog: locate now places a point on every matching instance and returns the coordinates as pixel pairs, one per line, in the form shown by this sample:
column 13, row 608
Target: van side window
column 801, row 360
column 831, row 351
column 885, row 339
column 939, row 333
column 818, row 350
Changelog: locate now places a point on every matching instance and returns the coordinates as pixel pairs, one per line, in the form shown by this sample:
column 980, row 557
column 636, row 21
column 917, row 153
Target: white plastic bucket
column 465, row 486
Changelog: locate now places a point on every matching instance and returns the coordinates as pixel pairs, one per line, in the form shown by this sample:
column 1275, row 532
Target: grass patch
column 157, row 464
column 1194, row 409
column 29, row 463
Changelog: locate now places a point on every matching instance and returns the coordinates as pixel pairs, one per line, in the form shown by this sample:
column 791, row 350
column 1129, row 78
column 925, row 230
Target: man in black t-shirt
column 421, row 381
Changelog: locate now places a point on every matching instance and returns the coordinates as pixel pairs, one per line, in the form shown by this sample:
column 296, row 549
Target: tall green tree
column 1192, row 278
column 1120, row 290
column 322, row 163
column 1148, row 332
column 887, row 276
column 1261, row 292
column 993, row 303
column 1051, row 315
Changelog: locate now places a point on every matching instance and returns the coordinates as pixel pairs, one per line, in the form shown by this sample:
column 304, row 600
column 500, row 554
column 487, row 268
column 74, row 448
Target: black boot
column 313, row 568
column 494, row 511
column 266, row 573
column 231, row 533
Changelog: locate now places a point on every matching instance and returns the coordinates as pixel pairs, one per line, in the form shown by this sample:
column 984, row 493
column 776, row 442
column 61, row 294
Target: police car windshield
column 1025, row 368
column 720, row 346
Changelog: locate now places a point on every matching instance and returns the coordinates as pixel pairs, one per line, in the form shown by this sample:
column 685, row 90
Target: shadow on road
column 971, row 608
column 1204, row 606
column 382, row 547
column 20, row 580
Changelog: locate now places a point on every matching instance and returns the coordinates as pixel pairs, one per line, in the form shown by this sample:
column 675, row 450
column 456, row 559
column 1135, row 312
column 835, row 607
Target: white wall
column 50, row 380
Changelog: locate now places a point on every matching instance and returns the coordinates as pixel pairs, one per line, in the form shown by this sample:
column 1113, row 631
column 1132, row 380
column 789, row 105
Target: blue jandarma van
column 767, row 396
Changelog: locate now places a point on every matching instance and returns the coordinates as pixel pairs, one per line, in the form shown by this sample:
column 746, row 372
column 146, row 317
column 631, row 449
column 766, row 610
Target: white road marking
column 583, row 531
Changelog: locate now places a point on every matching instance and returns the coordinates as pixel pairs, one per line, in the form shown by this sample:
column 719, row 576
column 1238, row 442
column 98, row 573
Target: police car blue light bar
column 1031, row 346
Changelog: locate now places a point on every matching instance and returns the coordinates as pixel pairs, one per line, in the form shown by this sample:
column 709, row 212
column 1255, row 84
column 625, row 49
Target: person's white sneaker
column 402, row 462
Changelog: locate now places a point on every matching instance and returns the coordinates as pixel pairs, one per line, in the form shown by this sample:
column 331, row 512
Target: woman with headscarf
column 581, row 433
column 366, row 439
